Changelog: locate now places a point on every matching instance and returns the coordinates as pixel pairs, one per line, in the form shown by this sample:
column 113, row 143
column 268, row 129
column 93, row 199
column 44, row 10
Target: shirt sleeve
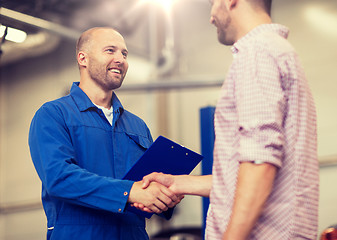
column 55, row 161
column 261, row 108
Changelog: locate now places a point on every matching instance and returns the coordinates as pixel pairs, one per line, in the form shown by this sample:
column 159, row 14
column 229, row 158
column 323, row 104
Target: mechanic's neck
column 96, row 93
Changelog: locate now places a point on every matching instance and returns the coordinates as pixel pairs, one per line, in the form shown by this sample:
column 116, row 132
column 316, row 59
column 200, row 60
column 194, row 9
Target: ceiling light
column 13, row 34
column 166, row 4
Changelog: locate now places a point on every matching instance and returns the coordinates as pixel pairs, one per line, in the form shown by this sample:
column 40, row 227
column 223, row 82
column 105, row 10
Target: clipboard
column 166, row 156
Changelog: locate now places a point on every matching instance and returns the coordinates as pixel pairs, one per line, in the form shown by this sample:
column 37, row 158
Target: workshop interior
column 176, row 71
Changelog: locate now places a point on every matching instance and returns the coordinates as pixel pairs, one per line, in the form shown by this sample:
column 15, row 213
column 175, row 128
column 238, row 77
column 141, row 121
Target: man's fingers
column 170, row 199
column 141, row 207
column 146, row 183
column 164, row 198
column 163, row 203
column 145, row 209
column 158, row 197
column 158, row 207
column 148, row 179
column 137, row 205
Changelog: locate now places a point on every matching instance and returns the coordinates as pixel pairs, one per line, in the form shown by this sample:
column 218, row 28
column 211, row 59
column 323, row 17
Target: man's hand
column 182, row 184
column 179, row 184
column 155, row 198
column 164, row 179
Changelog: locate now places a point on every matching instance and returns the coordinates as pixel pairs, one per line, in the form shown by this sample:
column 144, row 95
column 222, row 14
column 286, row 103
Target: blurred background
column 176, row 67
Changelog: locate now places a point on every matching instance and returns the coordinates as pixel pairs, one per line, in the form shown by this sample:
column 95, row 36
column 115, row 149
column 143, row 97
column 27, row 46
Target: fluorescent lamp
column 13, row 34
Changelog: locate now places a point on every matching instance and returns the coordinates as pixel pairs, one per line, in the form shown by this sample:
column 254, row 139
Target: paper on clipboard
column 163, row 156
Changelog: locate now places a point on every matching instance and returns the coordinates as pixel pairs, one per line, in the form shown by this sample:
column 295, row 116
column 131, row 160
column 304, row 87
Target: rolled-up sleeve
column 261, row 111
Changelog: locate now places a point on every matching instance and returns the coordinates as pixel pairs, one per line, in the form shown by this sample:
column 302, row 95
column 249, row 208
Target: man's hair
column 264, row 4
column 83, row 41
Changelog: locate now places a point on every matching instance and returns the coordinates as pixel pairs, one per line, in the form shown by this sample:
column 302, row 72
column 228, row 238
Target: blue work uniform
column 80, row 159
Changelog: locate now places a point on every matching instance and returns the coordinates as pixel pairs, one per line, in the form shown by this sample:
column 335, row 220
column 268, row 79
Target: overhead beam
column 40, row 23
column 167, row 84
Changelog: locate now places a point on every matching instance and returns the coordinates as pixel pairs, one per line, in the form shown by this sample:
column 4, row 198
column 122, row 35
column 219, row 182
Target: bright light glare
column 167, row 4
column 322, row 19
column 13, row 34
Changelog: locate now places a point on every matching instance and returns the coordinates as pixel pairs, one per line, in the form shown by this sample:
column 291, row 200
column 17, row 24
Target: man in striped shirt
column 265, row 179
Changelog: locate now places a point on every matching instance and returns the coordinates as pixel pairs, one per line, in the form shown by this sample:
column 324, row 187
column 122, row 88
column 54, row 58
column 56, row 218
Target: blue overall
column 80, row 159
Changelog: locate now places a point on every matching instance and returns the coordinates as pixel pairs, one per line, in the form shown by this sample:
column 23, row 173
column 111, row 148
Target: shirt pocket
column 141, row 141
column 128, row 148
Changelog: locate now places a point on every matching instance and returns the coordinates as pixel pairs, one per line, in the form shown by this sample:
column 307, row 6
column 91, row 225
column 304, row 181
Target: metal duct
column 44, row 41
column 35, row 45
column 40, row 23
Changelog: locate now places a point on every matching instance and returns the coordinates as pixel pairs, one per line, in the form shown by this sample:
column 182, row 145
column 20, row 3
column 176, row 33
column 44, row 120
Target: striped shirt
column 266, row 114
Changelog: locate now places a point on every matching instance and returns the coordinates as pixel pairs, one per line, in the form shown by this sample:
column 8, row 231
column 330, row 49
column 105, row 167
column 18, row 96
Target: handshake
column 157, row 191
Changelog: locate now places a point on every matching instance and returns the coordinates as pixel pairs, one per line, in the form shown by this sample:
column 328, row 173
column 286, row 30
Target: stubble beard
column 102, row 77
column 223, row 31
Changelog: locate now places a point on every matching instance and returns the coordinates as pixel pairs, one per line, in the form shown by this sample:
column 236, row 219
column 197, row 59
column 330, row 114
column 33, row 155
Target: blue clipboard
column 163, row 156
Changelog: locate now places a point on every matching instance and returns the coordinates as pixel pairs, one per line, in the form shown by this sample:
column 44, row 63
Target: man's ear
column 82, row 59
column 231, row 3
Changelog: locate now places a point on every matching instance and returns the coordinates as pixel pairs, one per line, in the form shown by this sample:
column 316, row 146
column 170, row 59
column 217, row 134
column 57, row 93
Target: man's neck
column 249, row 21
column 96, row 94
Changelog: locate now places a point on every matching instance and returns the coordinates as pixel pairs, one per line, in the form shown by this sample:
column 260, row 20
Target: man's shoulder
column 127, row 115
column 272, row 43
column 56, row 105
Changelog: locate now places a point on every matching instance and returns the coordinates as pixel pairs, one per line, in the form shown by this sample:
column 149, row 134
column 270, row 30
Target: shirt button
column 119, row 210
column 125, row 193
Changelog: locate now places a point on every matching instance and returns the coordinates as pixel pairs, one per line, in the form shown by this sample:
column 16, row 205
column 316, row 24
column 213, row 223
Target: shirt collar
column 84, row 103
column 263, row 28
column 116, row 104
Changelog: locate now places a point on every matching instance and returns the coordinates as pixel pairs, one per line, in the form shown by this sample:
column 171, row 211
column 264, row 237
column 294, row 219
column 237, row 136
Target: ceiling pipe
column 163, row 60
column 40, row 23
column 168, row 52
column 36, row 44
